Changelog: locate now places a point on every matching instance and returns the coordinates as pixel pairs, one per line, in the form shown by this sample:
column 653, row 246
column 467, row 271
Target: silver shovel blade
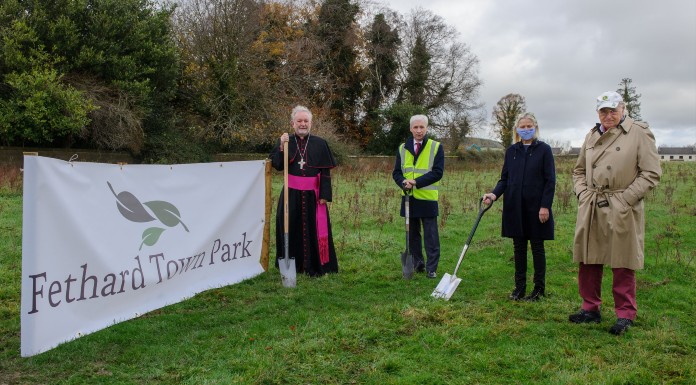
column 407, row 265
column 288, row 273
column 448, row 284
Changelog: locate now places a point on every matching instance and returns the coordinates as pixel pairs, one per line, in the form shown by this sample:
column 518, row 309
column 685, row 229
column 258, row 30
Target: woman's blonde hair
column 525, row 115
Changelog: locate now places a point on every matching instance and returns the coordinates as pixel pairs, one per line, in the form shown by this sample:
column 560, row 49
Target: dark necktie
column 417, row 148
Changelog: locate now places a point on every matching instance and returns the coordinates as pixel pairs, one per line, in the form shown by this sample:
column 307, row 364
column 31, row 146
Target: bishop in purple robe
column 309, row 189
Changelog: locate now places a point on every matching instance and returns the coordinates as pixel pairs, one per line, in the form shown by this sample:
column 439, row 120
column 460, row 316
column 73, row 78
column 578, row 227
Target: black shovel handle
column 482, row 209
column 407, row 212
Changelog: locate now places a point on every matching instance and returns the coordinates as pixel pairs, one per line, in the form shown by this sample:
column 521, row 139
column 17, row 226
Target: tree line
column 177, row 82
column 511, row 106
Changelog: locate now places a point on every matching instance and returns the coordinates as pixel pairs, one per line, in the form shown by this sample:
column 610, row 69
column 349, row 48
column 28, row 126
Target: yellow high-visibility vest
column 424, row 165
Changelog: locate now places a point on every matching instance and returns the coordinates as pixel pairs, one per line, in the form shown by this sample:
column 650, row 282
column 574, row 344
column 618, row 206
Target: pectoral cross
column 301, row 163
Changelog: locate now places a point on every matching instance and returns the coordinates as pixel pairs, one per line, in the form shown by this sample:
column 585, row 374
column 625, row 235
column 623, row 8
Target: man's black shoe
column 620, row 327
column 584, row 316
column 420, row 268
column 517, row 294
column 432, row 274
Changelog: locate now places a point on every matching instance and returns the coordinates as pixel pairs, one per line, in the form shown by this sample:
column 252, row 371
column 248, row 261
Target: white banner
column 106, row 243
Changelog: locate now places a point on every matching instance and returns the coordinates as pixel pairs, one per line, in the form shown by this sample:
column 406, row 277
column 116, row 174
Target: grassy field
column 366, row 325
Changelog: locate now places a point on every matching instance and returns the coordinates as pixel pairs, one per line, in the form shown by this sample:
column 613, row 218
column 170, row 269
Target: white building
column 687, row 154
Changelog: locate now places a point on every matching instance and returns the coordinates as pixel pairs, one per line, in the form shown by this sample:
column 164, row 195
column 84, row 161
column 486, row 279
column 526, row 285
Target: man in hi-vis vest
column 419, row 165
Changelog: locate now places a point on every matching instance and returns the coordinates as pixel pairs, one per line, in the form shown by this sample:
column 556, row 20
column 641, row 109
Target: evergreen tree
column 337, row 29
column 417, row 73
column 398, row 118
column 103, row 72
column 630, row 97
column 382, row 46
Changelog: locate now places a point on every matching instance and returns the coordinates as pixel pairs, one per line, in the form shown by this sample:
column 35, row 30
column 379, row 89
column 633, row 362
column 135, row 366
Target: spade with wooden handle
column 286, row 265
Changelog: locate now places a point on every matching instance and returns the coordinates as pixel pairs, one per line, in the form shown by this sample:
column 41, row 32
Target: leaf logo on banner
column 166, row 212
column 151, row 236
column 130, row 207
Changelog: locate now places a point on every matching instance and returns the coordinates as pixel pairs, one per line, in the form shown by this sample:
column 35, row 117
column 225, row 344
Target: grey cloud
column 578, row 50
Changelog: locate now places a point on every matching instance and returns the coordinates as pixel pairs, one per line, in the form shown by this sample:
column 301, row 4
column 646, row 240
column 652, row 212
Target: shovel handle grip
column 484, row 207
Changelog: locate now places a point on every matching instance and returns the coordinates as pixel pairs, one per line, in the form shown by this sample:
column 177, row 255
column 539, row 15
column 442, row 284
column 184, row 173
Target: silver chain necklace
column 302, row 152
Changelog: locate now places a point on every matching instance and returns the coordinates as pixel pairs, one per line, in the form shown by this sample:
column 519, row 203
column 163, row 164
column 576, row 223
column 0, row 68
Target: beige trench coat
column 618, row 168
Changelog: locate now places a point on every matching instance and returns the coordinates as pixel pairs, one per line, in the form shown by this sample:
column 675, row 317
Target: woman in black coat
column 528, row 181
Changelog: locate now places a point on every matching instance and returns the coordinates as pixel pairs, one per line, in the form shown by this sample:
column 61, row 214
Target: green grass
column 366, row 325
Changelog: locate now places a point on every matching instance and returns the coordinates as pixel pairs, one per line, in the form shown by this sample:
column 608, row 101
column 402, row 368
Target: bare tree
column 214, row 37
column 116, row 123
column 449, row 81
column 246, row 63
column 564, row 145
column 505, row 114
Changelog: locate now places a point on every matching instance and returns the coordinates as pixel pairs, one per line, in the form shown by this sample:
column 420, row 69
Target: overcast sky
column 560, row 55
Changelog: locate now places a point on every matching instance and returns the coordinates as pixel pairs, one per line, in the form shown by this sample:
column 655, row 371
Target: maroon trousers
column 623, row 288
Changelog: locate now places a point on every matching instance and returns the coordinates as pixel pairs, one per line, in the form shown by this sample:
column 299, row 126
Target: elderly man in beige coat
column 618, row 165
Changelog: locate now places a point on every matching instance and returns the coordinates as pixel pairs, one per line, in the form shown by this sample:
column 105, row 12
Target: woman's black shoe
column 517, row 294
column 536, row 294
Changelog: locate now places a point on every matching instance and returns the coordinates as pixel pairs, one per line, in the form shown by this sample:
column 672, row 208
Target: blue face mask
column 526, row 133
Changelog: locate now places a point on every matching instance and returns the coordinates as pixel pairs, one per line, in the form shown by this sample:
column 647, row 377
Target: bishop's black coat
column 528, row 182
column 304, row 247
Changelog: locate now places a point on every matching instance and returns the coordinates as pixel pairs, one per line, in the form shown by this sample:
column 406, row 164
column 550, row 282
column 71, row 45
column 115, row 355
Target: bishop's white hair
column 299, row 108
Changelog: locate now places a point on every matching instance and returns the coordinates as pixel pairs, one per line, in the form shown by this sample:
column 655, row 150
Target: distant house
column 557, row 150
column 474, row 147
column 667, row 154
column 481, row 144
